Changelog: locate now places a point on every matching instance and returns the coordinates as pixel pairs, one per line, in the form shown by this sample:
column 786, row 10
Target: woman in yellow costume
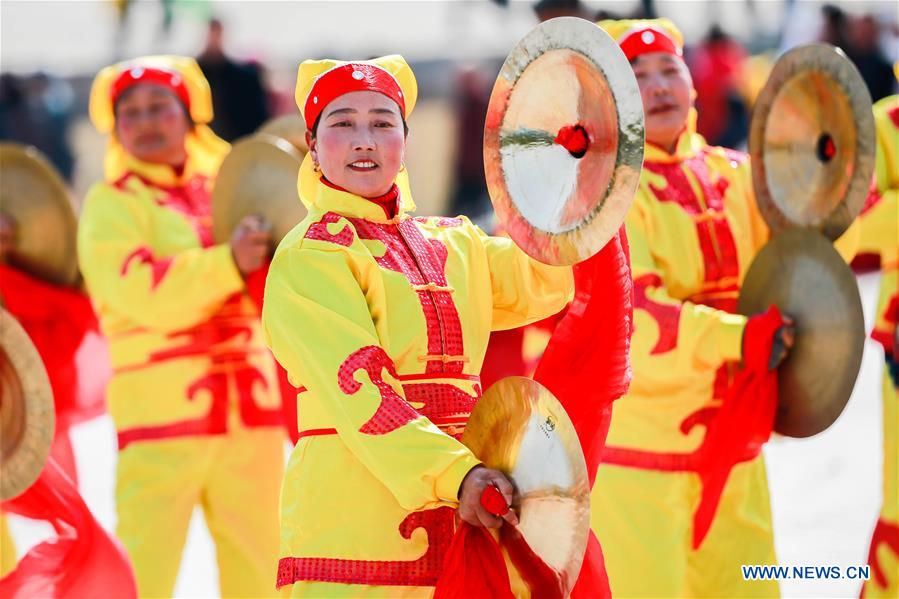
column 693, row 229
column 193, row 394
column 383, row 319
column 880, row 235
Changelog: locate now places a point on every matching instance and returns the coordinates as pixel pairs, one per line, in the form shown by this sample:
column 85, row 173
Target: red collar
column 389, row 202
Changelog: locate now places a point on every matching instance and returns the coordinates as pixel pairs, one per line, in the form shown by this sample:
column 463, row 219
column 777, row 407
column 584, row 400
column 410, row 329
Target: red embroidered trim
column 440, row 221
column 667, row 316
column 716, row 240
column 214, row 423
column 437, row 523
column 317, row 432
column 894, row 115
column 143, row 255
column 885, row 534
column 393, row 411
column 422, row 262
column 658, row 461
column 192, row 200
column 319, row 231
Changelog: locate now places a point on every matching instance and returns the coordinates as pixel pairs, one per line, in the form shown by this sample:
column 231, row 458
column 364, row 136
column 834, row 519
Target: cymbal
column 27, row 417
column 34, row 197
column 519, row 428
column 287, row 126
column 801, row 273
column 258, row 176
column 812, row 142
column 563, row 141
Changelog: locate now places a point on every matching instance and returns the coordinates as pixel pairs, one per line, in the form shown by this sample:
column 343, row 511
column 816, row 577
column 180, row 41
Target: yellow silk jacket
column 383, row 323
column 693, row 230
column 880, row 220
column 184, row 339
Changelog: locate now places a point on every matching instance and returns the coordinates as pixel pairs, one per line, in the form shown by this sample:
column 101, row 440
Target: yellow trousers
column 644, row 520
column 236, row 478
column 7, row 548
column 886, row 557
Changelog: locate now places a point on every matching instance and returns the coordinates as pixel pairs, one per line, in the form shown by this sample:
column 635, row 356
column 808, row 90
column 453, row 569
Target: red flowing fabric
column 256, row 290
column 586, row 366
column 744, row 421
column 82, row 561
column 63, row 327
column 477, row 566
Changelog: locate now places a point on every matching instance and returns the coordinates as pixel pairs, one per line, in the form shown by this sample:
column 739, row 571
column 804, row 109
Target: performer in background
column 46, row 301
column 383, row 319
column 193, row 394
column 693, row 231
column 880, row 235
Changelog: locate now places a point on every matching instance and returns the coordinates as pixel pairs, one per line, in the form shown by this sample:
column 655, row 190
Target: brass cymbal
column 812, row 142
column 801, row 273
column 35, row 199
column 563, row 141
column 519, row 428
column 258, row 176
column 287, row 126
column 27, row 417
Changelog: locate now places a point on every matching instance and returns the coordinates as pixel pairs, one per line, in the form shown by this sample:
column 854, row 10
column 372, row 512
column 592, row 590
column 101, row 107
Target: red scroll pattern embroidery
column 667, row 316
column 716, row 241
column 393, row 411
column 422, row 261
column 886, row 534
column 192, row 200
column 143, row 255
column 423, row 572
column 319, row 231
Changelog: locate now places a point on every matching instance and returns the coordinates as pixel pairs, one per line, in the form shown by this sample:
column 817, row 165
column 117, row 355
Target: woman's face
column 152, row 124
column 667, row 91
column 359, row 143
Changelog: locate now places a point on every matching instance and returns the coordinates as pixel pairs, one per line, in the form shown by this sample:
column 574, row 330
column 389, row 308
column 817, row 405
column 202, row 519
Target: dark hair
column 127, row 92
column 314, row 133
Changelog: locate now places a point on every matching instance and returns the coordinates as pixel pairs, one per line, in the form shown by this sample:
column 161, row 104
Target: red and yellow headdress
column 320, row 82
column 184, row 78
column 642, row 36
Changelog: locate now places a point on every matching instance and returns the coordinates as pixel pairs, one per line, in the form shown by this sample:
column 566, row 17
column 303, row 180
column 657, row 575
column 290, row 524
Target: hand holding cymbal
column 250, row 243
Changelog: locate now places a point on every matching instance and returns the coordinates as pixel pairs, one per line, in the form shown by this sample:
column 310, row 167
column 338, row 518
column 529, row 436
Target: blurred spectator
column 550, row 9
column 36, row 110
column 864, row 50
column 470, row 196
column 833, row 29
column 716, row 65
column 239, row 98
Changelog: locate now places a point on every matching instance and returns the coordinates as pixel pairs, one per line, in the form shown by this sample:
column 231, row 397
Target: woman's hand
column 470, row 508
column 784, row 340
column 250, row 243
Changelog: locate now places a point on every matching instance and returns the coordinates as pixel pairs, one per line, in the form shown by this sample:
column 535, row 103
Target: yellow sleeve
column 156, row 291
column 673, row 338
column 318, row 324
column 524, row 290
column 878, row 223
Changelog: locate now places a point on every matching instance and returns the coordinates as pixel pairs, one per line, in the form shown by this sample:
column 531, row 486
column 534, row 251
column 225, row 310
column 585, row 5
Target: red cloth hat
column 346, row 78
column 170, row 80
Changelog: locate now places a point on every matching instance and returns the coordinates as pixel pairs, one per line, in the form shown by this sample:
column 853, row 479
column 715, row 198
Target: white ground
column 825, row 490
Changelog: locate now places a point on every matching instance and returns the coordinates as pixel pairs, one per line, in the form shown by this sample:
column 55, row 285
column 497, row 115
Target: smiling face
column 667, row 91
column 359, row 143
column 151, row 123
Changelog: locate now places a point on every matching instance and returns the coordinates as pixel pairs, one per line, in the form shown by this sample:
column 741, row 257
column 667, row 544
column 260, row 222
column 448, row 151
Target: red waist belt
column 215, row 422
column 662, row 462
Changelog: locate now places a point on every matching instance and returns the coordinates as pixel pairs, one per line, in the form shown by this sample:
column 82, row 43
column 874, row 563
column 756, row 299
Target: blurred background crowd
column 825, row 491
column 249, row 52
